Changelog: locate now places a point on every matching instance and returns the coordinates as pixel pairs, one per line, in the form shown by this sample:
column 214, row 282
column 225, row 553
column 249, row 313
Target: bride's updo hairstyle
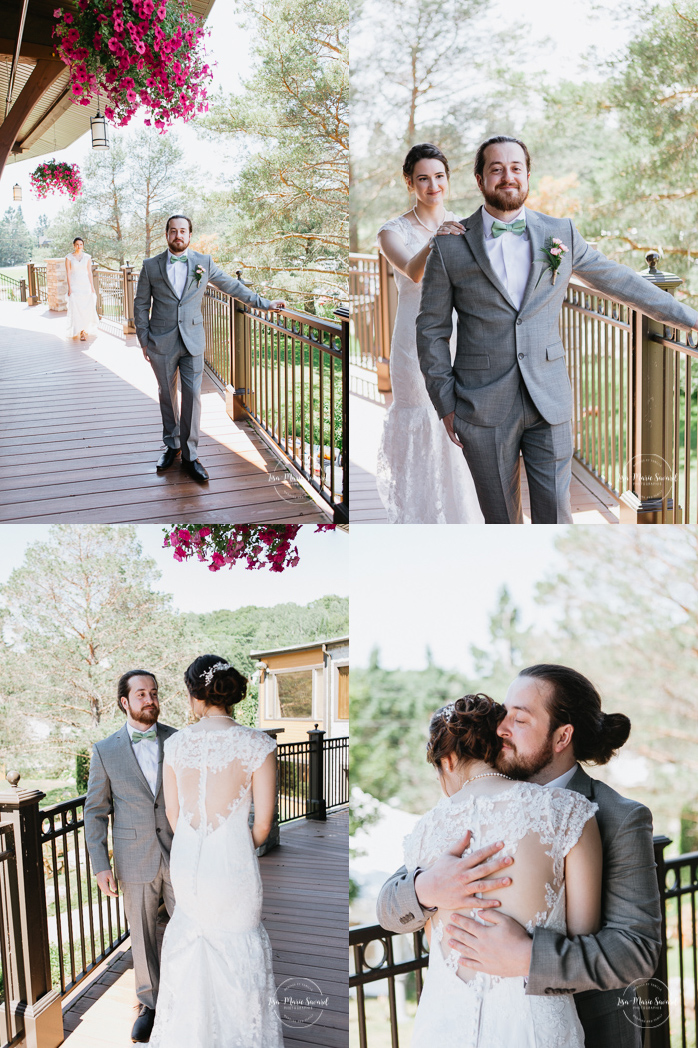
column 214, row 681
column 466, row 728
column 572, row 699
column 424, row 151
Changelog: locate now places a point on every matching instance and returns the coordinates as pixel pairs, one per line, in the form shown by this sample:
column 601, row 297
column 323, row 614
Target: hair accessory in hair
column 448, row 710
column 207, row 675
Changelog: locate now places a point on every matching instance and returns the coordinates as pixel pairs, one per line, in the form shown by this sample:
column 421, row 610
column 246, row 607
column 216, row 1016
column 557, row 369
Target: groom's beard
column 149, row 715
column 502, row 201
column 516, row 766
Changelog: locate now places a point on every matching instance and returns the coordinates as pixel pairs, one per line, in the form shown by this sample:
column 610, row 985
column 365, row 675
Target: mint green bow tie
column 138, row 735
column 517, row 227
column 178, row 258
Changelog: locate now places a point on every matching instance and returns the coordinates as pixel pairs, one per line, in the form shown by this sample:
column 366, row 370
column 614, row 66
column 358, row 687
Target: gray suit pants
column 180, row 432
column 492, row 454
column 141, row 903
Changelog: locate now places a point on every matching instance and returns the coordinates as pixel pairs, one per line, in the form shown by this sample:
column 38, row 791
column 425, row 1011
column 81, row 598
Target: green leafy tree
column 78, row 612
column 288, row 206
column 15, row 238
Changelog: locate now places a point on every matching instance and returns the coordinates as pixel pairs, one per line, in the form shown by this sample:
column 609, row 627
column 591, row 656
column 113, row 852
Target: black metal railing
column 41, row 285
column 85, row 926
column 12, row 1027
column 12, row 290
column 110, row 297
column 380, row 955
column 313, row 779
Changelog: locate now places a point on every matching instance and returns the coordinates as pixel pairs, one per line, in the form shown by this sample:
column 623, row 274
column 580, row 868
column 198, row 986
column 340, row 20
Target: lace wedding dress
column 422, row 476
column 216, row 982
column 462, row 1008
column 82, row 300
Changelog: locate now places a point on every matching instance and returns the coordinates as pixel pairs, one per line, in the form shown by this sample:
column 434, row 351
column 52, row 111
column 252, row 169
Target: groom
column 508, row 392
column 537, row 746
column 172, row 337
column 126, row 780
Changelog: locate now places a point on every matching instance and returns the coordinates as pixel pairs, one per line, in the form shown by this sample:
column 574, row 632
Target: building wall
column 326, row 687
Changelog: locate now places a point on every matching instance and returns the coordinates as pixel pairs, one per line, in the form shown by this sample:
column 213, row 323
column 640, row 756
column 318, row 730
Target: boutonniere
column 554, row 251
column 198, row 273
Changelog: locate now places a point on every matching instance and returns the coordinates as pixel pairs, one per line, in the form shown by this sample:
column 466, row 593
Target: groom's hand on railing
column 500, row 947
column 278, row 304
column 448, row 423
column 106, row 882
column 454, row 879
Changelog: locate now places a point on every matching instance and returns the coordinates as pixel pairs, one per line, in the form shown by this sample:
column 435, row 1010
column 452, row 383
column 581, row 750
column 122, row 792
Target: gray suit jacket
column 157, row 327
column 496, row 342
column 142, row 835
column 592, row 967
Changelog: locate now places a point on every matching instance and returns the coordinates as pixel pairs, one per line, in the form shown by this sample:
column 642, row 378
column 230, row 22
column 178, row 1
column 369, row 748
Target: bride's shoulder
column 400, row 224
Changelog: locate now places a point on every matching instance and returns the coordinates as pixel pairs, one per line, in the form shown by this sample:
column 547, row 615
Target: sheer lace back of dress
column 539, row 827
column 214, row 767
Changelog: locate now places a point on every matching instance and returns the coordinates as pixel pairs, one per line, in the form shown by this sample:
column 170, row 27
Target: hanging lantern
column 98, row 127
column 17, row 192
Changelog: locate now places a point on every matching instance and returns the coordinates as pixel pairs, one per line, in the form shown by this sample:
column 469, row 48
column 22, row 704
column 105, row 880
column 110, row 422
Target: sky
column 435, row 586
column 228, row 47
column 322, row 571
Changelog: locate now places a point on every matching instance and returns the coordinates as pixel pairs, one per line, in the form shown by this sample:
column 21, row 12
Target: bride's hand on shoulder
column 450, row 227
column 453, row 881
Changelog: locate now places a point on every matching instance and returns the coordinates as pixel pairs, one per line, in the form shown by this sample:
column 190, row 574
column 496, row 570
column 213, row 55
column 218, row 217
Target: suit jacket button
column 519, row 321
column 157, row 830
column 521, row 356
column 156, row 805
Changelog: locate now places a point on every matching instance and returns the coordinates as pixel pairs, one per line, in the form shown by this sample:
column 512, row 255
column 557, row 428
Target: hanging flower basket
column 53, row 177
column 139, row 53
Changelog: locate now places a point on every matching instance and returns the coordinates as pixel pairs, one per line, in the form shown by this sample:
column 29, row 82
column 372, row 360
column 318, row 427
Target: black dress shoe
column 167, row 458
column 143, row 1026
column 195, row 470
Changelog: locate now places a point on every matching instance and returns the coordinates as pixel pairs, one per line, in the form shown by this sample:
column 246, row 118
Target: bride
column 422, row 477
column 553, row 837
column 82, row 298
column 216, row 982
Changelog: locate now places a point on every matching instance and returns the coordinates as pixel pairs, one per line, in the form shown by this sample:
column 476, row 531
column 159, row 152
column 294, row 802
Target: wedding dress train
column 422, row 476
column 461, row 1008
column 216, row 982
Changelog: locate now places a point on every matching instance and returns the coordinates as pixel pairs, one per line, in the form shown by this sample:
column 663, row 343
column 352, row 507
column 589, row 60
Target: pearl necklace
column 217, row 716
column 485, row 775
column 432, row 231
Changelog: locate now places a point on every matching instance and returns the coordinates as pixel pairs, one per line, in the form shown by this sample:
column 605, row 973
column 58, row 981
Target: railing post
column 317, row 806
column 95, row 280
column 128, row 318
column 387, row 299
column 23, row 290
column 31, row 281
column 29, row 979
column 652, row 465
column 659, row 1035
column 236, row 391
column 341, row 510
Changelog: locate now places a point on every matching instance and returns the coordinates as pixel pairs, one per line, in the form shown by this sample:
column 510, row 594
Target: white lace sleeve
column 394, row 225
column 413, row 843
column 260, row 745
column 570, row 812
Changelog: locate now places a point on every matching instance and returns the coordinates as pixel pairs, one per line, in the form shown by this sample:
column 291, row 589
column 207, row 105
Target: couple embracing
column 536, row 882
column 499, row 383
column 180, row 802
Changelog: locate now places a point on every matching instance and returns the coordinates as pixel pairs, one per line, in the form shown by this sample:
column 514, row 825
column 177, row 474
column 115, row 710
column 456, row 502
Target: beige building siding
column 327, row 675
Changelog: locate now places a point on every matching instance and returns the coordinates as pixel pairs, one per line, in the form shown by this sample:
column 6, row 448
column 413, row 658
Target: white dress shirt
column 510, row 256
column 562, row 780
column 147, row 752
column 177, row 274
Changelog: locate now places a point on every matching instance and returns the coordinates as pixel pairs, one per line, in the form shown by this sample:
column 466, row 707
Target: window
column 295, row 693
column 343, row 693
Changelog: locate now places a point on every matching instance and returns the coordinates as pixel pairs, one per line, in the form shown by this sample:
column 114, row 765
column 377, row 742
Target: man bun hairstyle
column 123, row 686
column 574, row 700
column 214, row 681
column 495, row 140
column 466, row 728
column 423, row 151
column 186, row 219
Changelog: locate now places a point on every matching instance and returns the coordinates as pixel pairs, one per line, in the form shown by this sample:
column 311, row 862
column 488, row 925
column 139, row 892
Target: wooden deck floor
column 367, row 410
column 81, row 433
column 306, row 913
